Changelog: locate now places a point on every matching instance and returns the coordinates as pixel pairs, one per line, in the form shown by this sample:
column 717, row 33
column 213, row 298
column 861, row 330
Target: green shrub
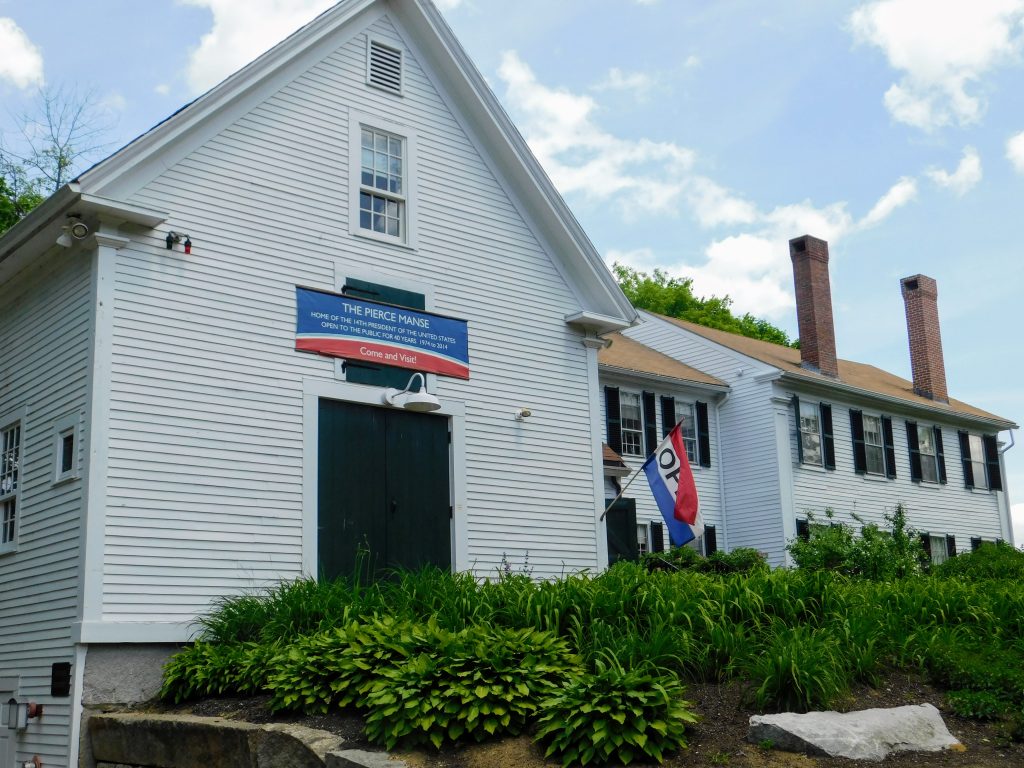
column 614, row 714
column 980, row 705
column 797, row 669
column 474, row 684
column 989, row 561
column 672, row 559
column 739, row 560
column 206, row 669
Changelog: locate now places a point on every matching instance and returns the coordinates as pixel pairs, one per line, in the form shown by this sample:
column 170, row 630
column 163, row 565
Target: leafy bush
column 800, row 669
column 614, row 714
column 739, row 560
column 989, row 561
column 207, row 669
column 980, row 705
column 473, row 684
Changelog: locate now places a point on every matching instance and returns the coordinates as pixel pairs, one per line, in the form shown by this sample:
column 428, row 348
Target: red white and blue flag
column 668, row 472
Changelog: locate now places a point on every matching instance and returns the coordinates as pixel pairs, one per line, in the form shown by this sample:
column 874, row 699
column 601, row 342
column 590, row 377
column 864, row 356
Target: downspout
column 723, row 398
column 1004, row 497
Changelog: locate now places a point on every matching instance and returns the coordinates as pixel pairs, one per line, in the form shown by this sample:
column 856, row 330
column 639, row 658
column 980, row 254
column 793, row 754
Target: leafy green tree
column 673, row 296
column 18, row 196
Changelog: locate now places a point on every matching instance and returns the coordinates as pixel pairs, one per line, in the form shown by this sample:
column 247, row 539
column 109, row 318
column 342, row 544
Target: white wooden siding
column 749, row 465
column 44, row 335
column 705, row 478
column 932, row 507
column 205, row 473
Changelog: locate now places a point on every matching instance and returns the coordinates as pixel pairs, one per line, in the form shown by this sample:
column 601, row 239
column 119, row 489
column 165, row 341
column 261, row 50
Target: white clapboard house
column 644, row 394
column 802, row 430
column 171, row 430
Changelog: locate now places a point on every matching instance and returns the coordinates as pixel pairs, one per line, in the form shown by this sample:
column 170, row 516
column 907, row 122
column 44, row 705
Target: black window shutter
column 650, row 422
column 668, row 414
column 926, row 545
column 710, row 540
column 950, row 545
column 703, row 435
column 915, row 451
column 803, row 530
column 890, row 448
column 799, row 438
column 965, row 458
column 612, row 419
column 860, row 457
column 940, row 454
column 657, row 537
column 361, row 372
column 827, row 439
column 995, row 474
column 975, row 543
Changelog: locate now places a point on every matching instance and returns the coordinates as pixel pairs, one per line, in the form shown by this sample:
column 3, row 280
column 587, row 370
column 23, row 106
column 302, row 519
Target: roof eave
column 946, row 412
column 658, row 378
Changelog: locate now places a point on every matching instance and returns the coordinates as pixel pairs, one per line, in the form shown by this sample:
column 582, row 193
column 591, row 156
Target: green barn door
column 383, row 487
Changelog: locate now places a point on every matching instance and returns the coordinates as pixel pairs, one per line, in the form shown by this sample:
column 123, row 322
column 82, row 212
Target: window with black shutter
column 668, row 414
column 950, row 545
column 995, row 473
column 975, row 543
column 915, row 451
column 965, row 458
column 362, row 372
column 710, row 540
column 940, row 455
column 890, row 448
column 613, row 431
column 703, row 434
column 860, row 459
column 657, row 537
column 650, row 423
column 803, row 530
column 828, row 442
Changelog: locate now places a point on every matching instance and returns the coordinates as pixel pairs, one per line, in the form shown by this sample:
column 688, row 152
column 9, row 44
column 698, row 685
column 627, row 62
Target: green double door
column 383, row 488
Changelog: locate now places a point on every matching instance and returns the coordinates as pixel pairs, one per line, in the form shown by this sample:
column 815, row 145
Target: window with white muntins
column 642, row 541
column 631, row 420
column 810, row 433
column 10, row 466
column 382, row 183
column 978, row 464
column 687, row 421
column 874, row 445
column 929, row 454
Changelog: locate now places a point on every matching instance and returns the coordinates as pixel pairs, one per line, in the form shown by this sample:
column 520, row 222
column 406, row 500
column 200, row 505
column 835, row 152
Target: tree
column 64, row 131
column 673, row 296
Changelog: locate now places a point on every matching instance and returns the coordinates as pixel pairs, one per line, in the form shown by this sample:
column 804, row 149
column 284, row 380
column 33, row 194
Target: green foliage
column 615, row 714
column 739, row 560
column 799, row 668
column 980, row 705
column 207, row 669
column 892, row 553
column 989, row 561
column 17, row 196
column 470, row 685
column 673, row 296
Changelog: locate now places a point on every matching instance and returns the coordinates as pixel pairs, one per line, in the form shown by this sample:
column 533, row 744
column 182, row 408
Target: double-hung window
column 810, row 433
column 874, row 446
column 688, row 428
column 980, row 457
column 631, row 422
column 977, row 459
column 643, row 543
column 382, row 185
column 929, row 454
column 10, row 465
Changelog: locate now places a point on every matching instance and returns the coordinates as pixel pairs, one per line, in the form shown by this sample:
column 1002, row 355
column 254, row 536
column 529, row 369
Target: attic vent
column 384, row 67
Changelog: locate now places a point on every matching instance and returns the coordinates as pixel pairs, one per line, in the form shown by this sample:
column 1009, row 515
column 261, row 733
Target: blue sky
column 694, row 136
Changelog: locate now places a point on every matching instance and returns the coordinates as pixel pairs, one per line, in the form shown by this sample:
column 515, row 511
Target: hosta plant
column 615, row 714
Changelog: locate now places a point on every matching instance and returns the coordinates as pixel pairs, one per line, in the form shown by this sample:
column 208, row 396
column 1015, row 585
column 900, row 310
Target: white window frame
column 688, row 442
column 800, row 432
column 868, row 446
column 643, row 538
column 65, row 427
column 407, row 201
column 639, row 431
column 12, row 420
column 941, row 554
column 931, row 459
column 978, row 461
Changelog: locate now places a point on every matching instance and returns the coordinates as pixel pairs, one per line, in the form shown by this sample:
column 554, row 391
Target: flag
column 668, row 472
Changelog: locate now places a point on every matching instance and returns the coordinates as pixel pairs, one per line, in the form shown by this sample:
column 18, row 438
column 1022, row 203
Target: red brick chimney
column 814, row 305
column 920, row 295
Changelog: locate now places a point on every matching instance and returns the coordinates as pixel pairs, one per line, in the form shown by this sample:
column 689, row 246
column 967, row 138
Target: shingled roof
column 627, row 355
column 859, row 376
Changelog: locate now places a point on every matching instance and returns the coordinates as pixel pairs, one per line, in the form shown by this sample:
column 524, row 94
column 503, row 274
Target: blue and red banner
column 668, row 473
column 356, row 329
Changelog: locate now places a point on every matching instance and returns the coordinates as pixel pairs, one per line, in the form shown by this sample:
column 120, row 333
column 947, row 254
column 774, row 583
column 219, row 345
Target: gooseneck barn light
column 421, row 401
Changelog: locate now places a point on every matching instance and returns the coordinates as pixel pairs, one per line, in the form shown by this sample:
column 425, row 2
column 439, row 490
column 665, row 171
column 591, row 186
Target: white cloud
column 242, row 30
column 1015, row 151
column 692, row 62
column 748, row 256
column 964, row 178
column 21, row 62
column 617, row 80
column 113, row 102
column 901, row 193
column 942, row 50
column 162, row 89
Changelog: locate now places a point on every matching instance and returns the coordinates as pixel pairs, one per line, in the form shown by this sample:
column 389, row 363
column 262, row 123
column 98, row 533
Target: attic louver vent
column 385, row 67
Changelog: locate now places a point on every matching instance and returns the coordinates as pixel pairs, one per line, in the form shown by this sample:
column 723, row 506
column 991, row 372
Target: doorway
column 384, row 496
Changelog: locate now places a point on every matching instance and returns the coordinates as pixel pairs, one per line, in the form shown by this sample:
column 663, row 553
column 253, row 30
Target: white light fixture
column 523, row 414
column 421, row 401
column 18, row 714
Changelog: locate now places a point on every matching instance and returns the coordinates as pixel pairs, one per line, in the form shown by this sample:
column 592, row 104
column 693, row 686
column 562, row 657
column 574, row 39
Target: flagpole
column 612, row 504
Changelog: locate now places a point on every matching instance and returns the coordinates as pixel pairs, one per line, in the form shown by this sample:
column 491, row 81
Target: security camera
column 79, row 230
column 523, row 413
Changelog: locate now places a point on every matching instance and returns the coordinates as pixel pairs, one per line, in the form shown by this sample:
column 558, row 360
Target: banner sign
column 356, row 329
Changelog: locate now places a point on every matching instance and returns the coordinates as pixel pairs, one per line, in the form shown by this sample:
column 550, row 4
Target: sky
column 697, row 137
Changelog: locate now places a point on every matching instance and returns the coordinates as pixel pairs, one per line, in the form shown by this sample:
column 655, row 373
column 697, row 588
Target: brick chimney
column 814, row 305
column 920, row 295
